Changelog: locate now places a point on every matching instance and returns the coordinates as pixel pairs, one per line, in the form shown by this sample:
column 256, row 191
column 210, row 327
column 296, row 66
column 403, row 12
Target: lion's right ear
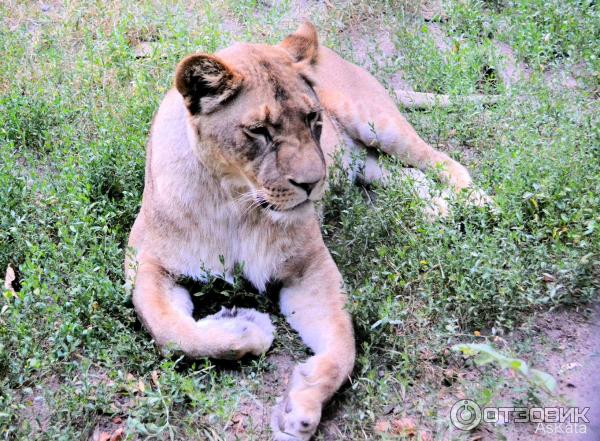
column 205, row 82
column 303, row 45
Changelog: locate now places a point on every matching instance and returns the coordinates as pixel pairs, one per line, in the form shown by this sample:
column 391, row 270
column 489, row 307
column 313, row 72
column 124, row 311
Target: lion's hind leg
column 241, row 321
column 384, row 129
column 364, row 111
column 377, row 124
column 435, row 204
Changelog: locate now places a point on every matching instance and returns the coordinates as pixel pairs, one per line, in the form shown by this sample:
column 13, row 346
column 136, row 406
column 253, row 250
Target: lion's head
column 258, row 118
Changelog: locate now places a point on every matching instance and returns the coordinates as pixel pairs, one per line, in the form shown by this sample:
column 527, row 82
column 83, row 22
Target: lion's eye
column 258, row 132
column 313, row 119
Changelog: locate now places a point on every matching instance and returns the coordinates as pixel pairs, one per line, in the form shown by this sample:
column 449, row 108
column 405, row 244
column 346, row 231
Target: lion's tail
column 418, row 100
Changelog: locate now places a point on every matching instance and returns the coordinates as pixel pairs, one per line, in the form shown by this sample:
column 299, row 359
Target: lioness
column 237, row 156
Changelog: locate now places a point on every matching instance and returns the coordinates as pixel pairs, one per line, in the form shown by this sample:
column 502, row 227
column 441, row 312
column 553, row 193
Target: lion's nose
column 306, row 186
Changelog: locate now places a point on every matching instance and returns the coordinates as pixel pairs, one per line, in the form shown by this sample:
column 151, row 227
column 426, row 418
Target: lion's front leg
column 314, row 305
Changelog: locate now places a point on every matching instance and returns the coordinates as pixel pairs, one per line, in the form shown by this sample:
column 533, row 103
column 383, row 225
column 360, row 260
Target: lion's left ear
column 303, row 45
column 206, row 82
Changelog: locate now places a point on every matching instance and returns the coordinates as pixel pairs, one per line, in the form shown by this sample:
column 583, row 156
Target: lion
column 237, row 156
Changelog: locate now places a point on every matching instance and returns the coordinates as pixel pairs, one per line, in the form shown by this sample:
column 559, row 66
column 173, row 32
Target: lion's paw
column 261, row 319
column 294, row 422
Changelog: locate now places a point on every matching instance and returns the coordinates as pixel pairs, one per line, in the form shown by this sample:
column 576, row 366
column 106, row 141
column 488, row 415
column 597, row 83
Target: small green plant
column 483, row 354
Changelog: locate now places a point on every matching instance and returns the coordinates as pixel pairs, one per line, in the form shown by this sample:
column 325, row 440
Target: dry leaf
column 115, row 435
column 143, row 50
column 382, row 426
column 141, row 386
column 154, row 376
column 238, row 424
column 425, row 435
column 404, row 426
column 148, row 48
column 569, row 366
column 9, row 278
column 450, row 373
column 388, row 408
column 433, row 11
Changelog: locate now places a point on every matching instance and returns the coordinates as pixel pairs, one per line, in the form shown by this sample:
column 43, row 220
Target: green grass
column 541, row 32
column 75, row 109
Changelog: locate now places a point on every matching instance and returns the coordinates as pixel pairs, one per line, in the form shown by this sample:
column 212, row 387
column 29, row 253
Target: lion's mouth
column 263, row 203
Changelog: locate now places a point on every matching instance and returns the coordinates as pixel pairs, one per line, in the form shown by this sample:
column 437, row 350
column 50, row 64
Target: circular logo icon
column 465, row 414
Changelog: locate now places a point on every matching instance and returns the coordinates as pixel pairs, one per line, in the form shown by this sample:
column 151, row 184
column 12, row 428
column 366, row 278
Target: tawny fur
column 220, row 192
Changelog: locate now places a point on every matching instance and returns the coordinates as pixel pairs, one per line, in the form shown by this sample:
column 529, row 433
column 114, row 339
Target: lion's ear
column 205, row 82
column 303, row 44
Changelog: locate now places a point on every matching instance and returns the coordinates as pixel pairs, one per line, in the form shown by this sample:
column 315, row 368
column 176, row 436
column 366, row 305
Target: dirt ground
column 566, row 344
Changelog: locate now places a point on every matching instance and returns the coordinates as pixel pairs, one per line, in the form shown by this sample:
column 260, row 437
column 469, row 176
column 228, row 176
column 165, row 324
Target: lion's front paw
column 295, row 420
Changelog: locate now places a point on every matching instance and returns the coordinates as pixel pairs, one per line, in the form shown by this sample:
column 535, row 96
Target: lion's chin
column 299, row 206
column 293, row 214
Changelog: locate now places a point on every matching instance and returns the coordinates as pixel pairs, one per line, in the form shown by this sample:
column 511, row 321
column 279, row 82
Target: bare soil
column 566, row 344
column 251, row 421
